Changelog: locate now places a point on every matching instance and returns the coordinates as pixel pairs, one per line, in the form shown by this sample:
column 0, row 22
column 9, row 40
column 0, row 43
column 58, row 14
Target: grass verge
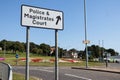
column 18, row 76
column 10, row 59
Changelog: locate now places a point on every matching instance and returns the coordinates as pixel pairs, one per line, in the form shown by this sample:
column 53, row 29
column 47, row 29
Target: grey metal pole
column 27, row 54
column 102, row 49
column 16, row 61
column 4, row 48
column 85, row 34
column 106, row 60
column 56, row 55
column 99, row 52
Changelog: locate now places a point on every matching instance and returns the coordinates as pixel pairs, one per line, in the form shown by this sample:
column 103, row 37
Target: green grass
column 18, row 76
column 10, row 59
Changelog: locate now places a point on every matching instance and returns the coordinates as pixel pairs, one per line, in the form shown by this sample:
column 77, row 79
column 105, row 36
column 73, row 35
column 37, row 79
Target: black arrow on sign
column 58, row 18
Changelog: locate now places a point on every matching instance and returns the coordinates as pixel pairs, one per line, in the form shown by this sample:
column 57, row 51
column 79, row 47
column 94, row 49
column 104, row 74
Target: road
column 66, row 73
column 114, row 65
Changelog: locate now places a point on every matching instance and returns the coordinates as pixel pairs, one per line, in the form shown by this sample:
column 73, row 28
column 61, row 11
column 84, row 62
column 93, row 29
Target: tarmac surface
column 76, row 73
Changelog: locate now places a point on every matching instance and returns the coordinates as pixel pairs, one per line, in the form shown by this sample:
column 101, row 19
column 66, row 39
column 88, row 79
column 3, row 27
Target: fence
column 5, row 71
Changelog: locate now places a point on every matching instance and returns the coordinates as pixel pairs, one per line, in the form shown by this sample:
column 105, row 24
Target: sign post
column 41, row 18
column 27, row 53
column 56, row 55
column 17, row 56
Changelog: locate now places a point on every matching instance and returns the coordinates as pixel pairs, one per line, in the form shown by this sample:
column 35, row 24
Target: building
column 52, row 49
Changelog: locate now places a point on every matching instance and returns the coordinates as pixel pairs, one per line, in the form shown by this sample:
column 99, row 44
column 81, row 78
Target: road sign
column 86, row 42
column 17, row 56
column 41, row 17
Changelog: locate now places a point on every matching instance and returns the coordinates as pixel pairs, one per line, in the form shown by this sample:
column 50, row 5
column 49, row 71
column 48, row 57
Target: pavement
column 100, row 68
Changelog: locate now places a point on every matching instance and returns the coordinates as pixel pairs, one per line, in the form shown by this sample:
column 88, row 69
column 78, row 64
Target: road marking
column 41, row 69
column 45, row 70
column 77, row 77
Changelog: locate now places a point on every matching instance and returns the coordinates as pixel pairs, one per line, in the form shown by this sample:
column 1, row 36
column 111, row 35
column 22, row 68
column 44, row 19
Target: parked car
column 114, row 60
column 117, row 60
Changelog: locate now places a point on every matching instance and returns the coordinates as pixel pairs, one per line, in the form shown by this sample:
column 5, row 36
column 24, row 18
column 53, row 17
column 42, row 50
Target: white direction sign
column 41, row 17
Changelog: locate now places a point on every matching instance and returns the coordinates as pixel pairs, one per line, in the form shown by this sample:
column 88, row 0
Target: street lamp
column 86, row 41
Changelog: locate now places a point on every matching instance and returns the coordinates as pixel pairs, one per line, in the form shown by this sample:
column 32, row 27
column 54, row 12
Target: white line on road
column 42, row 70
column 77, row 77
column 45, row 70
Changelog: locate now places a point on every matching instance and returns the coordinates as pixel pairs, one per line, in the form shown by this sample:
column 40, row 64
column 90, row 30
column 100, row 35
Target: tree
column 45, row 48
column 32, row 46
column 111, row 51
column 40, row 51
column 34, row 50
column 73, row 50
column 37, row 51
column 95, row 51
column 3, row 43
column 17, row 46
column 80, row 54
column 60, row 52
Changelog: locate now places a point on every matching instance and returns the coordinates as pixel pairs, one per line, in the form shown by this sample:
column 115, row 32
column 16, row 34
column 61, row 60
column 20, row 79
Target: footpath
column 101, row 68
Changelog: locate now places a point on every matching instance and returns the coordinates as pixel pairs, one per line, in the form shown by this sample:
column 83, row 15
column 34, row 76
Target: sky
column 102, row 17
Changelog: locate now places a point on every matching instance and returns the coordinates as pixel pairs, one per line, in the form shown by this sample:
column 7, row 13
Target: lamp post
column 86, row 42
